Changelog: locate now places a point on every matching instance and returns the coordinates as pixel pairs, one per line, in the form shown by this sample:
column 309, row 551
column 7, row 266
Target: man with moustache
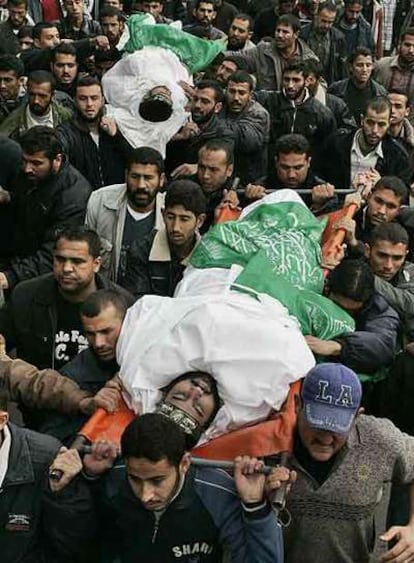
column 207, row 99
column 47, row 195
column 40, row 109
column 92, row 140
column 122, row 213
column 240, row 33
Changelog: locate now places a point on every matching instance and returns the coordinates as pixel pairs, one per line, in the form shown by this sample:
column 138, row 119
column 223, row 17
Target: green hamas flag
column 192, row 51
column 278, row 246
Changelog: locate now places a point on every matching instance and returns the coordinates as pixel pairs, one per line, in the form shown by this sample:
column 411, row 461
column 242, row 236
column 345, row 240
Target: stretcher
column 266, row 438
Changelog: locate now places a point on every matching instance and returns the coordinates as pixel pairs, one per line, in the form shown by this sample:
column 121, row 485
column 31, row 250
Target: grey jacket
column 265, row 62
column 105, row 214
column 399, row 293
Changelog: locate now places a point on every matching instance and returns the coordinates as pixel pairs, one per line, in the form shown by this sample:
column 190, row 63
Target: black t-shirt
column 134, row 230
column 69, row 338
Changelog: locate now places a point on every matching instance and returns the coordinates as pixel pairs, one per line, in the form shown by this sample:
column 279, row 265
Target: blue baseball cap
column 331, row 396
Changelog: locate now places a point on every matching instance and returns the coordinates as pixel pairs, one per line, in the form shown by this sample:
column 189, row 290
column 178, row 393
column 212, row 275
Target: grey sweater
column 341, row 520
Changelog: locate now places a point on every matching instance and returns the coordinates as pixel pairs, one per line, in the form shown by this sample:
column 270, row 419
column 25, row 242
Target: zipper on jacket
column 157, row 516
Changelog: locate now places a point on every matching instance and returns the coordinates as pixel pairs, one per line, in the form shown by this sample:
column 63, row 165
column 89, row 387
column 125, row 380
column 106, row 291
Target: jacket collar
column 20, row 468
column 48, row 289
column 117, row 198
column 160, row 249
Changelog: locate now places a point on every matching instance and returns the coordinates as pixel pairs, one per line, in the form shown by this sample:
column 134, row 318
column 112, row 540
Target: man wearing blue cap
column 345, row 462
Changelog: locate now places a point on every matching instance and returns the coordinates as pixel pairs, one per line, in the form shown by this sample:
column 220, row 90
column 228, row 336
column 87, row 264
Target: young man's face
column 17, row 15
column 292, row 169
column 213, row 169
column 224, row 71
column 89, row 102
column 239, row 34
column 9, row 85
column 321, row 444
column 112, row 28
column 204, row 105
column 383, row 206
column 399, row 108
column 375, row 126
column 352, row 13
column 406, row 49
column 74, row 267
column 361, row 69
column 37, row 167
column 103, row 331
column 325, row 20
column 65, row 68
column 152, row 7
column 285, row 37
column 293, row 84
column 155, row 483
column 386, row 258
column 194, row 396
column 181, row 225
column 239, row 95
column 48, row 39
column 205, row 13
column 74, row 8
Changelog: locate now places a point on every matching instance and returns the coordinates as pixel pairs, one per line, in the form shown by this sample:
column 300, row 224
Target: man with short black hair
column 357, row 31
column 207, row 99
column 204, row 14
column 156, row 264
column 217, row 516
column 359, row 88
column 327, row 42
column 64, row 67
column 228, row 66
column 400, row 126
column 240, row 33
column 11, row 95
column 77, row 24
column 112, row 22
column 122, row 213
column 40, row 110
column 49, row 194
column 345, row 156
column 9, row 42
column 91, row 140
column 268, row 59
column 250, row 124
column 397, row 71
column 155, row 8
column 294, row 110
column 373, row 344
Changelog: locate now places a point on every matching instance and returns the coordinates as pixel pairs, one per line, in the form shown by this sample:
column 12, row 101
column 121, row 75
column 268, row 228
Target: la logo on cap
column 344, row 399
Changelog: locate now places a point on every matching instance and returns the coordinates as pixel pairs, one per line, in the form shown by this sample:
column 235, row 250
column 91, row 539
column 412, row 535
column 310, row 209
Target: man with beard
column 40, row 109
column 267, row 60
column 357, row 31
column 295, row 110
column 64, row 67
column 346, row 156
column 11, row 73
column 49, row 194
column 122, row 213
column 207, row 100
column 92, row 140
column 327, row 42
column 112, row 22
column 204, row 13
column 397, row 71
column 240, row 33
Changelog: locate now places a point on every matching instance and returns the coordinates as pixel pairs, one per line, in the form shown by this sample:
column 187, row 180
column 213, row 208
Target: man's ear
column 218, row 107
column 162, row 180
column 4, row 419
column 185, row 463
column 230, row 169
column 97, row 263
column 200, row 220
column 367, row 250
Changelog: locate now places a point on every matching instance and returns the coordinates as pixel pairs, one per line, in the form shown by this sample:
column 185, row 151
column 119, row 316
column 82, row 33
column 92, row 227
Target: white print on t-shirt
column 64, row 338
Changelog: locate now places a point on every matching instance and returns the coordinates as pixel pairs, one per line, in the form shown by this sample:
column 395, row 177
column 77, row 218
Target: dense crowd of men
column 315, row 96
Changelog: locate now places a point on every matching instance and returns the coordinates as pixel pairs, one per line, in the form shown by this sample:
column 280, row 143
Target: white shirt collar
column 377, row 151
column 4, row 454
